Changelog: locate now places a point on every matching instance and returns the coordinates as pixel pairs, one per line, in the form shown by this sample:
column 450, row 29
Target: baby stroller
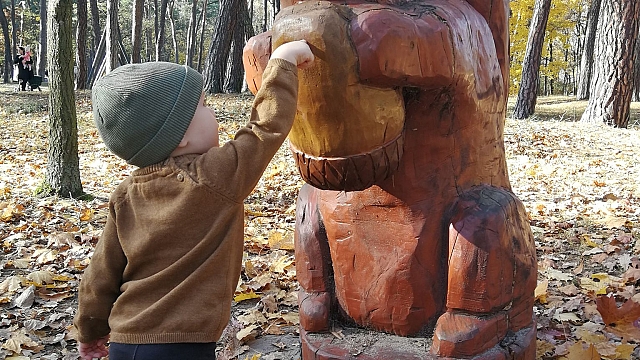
column 35, row 82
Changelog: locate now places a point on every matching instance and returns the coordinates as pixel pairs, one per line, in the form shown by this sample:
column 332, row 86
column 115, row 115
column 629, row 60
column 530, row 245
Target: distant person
column 162, row 277
column 25, row 64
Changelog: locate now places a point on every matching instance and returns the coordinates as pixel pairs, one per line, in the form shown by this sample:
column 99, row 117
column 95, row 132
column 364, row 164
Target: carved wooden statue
column 408, row 221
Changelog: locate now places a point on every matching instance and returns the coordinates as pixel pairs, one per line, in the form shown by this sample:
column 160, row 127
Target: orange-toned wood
column 337, row 115
column 410, row 223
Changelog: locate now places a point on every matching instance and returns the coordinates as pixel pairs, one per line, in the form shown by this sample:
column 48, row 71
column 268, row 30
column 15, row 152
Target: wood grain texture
column 409, row 222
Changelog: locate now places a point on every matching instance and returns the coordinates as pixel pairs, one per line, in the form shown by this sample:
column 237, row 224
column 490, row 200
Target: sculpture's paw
column 314, row 310
column 462, row 335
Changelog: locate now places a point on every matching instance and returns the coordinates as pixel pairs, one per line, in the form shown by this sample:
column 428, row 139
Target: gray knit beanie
column 142, row 111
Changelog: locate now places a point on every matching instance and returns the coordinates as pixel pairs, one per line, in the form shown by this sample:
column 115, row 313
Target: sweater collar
column 163, row 164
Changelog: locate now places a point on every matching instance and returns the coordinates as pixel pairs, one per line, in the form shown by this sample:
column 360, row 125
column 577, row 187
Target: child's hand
column 95, row 349
column 295, row 52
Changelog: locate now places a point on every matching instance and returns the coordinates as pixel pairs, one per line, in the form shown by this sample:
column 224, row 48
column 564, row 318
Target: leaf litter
column 579, row 183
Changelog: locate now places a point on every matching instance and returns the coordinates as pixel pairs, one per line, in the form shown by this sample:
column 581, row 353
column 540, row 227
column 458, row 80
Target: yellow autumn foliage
column 559, row 56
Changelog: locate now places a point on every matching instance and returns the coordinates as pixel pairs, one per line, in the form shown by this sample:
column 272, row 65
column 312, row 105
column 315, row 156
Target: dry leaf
column 26, row 298
column 631, row 276
column 246, row 296
column 612, row 314
column 41, row 277
column 270, row 304
column 571, row 317
column 582, row 351
column 541, row 291
column 279, row 241
column 281, row 264
column 11, row 283
column 558, row 275
column 86, row 214
column 273, row 329
column 247, row 333
column 598, row 287
column 624, row 351
column 292, row 318
column 542, row 348
column 569, row 290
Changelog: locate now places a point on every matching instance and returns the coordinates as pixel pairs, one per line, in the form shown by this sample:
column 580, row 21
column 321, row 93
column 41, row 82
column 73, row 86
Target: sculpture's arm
column 442, row 43
column 255, row 57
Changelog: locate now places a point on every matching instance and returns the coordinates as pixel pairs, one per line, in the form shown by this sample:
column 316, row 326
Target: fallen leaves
column 578, row 183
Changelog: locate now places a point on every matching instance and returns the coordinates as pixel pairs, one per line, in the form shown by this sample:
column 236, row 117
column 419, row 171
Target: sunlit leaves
column 559, row 38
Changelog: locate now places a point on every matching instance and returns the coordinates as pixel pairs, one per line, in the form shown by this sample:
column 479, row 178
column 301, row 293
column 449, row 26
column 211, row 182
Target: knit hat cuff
column 167, row 139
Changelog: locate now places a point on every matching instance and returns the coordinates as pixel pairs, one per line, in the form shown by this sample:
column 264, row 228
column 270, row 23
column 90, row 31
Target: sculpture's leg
column 491, row 279
column 313, row 263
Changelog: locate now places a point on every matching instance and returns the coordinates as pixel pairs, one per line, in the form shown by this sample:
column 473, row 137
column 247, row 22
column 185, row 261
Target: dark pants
column 23, row 84
column 180, row 351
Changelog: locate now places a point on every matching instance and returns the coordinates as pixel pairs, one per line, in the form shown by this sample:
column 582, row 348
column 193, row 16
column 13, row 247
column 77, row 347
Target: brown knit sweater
column 169, row 258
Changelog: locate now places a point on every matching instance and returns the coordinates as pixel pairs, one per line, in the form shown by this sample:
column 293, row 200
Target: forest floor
column 580, row 184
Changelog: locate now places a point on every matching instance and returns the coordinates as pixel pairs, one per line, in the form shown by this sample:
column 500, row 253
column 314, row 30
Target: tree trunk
column 203, row 19
column 14, row 35
column 14, row 30
column 612, row 81
column 81, row 45
column 191, row 34
column 173, row 32
column 160, row 31
column 95, row 24
column 586, row 62
column 242, row 32
column 216, row 63
column 112, row 35
column 636, row 72
column 265, row 5
column 155, row 27
column 8, row 59
column 98, row 61
column 63, row 171
column 527, row 94
column 136, row 30
column 24, row 9
column 148, row 34
column 42, row 49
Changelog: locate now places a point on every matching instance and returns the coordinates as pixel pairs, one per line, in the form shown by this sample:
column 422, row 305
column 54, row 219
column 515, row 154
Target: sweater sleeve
column 100, row 284
column 236, row 167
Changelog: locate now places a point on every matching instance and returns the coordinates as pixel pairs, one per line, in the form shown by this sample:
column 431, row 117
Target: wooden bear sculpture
column 407, row 223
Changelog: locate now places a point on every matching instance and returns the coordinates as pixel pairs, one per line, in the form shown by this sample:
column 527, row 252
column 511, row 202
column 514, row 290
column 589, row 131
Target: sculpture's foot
column 461, row 335
column 314, row 310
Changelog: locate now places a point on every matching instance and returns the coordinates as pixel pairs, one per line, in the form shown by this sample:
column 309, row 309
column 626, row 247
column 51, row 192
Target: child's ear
column 184, row 142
